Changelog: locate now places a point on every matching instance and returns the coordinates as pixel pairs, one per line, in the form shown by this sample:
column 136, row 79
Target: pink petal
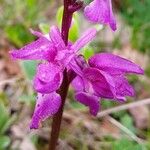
column 78, row 84
column 103, row 84
column 46, row 106
column 48, row 78
column 113, row 64
column 36, row 33
column 77, row 64
column 88, row 36
column 123, row 87
column 89, row 100
column 112, row 21
column 75, row 67
column 64, row 57
column 56, row 38
column 100, row 11
column 41, row 49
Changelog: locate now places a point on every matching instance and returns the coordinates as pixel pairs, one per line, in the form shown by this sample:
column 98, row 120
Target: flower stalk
column 66, row 23
column 58, row 117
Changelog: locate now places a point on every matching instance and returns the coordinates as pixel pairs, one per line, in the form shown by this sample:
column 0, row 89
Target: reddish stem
column 58, row 117
column 66, row 22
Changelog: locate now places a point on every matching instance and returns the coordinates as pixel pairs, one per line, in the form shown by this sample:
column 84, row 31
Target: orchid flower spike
column 103, row 76
column 49, row 75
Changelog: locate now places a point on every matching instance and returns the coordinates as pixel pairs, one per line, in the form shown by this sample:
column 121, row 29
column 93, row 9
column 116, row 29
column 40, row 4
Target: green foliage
column 29, row 68
column 136, row 15
column 133, row 79
column 27, row 12
column 5, row 122
column 76, row 105
column 87, row 1
column 44, row 28
column 147, row 71
column 18, row 34
column 127, row 121
column 88, row 52
column 28, row 99
column 5, row 119
column 4, row 142
column 74, row 30
column 125, row 144
column 59, row 15
column 120, row 114
column 107, row 104
column 18, row 16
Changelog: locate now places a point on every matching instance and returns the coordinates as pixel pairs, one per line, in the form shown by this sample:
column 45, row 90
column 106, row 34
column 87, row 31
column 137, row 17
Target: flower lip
column 46, row 106
column 48, row 78
column 89, row 100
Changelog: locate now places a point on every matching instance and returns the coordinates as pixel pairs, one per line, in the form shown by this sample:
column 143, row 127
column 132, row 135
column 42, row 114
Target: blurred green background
column 128, row 129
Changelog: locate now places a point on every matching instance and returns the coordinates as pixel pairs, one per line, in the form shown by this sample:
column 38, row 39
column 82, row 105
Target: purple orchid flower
column 102, row 77
column 100, row 11
column 56, row 57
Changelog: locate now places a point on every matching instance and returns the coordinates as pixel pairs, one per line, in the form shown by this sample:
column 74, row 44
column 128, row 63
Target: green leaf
column 31, row 3
column 28, row 99
column 59, row 15
column 119, row 114
column 135, row 14
column 87, row 1
column 29, row 68
column 88, row 52
column 125, row 144
column 78, row 106
column 4, row 99
column 74, row 30
column 18, row 34
column 8, row 123
column 4, row 117
column 44, row 28
column 127, row 121
column 4, row 142
column 147, row 71
column 107, row 104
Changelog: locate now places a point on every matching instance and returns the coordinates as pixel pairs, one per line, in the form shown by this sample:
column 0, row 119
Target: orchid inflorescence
column 103, row 76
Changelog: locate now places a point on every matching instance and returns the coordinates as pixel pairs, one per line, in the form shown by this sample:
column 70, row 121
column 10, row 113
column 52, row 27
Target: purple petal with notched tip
column 41, row 49
column 47, row 105
column 48, row 78
column 56, row 38
column 88, row 36
column 123, row 87
column 89, row 100
column 100, row 11
column 113, row 64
